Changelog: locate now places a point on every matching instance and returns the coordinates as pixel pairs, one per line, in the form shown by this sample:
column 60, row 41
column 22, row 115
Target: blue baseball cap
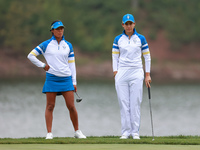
column 128, row 17
column 56, row 25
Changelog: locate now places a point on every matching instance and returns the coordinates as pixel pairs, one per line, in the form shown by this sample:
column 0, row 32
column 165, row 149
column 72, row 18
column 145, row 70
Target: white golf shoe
column 49, row 136
column 124, row 137
column 136, row 137
column 79, row 135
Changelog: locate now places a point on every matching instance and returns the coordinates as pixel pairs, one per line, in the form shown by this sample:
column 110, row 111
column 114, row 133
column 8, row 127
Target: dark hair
column 53, row 23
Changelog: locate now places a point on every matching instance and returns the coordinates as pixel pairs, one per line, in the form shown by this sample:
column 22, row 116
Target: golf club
column 149, row 93
column 79, row 99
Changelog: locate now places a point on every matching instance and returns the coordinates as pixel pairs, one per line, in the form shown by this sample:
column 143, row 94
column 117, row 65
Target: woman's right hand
column 114, row 73
column 46, row 68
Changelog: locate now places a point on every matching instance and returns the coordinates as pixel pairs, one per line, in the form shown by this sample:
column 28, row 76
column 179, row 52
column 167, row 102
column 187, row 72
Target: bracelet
column 44, row 65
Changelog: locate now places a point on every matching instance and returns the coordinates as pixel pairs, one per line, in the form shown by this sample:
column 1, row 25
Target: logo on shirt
column 64, row 47
column 134, row 41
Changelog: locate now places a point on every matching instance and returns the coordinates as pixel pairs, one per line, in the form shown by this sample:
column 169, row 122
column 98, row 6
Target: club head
column 78, row 100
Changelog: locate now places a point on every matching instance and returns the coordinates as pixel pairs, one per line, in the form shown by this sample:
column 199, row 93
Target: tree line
column 91, row 25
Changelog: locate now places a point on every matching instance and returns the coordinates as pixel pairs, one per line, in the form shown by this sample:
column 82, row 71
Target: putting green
column 96, row 147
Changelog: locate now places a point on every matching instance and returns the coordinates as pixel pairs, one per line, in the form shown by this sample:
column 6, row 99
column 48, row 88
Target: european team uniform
column 60, row 57
column 127, row 61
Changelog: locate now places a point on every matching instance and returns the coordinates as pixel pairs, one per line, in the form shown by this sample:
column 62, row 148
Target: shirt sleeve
column 72, row 66
column 115, row 55
column 146, row 55
column 32, row 56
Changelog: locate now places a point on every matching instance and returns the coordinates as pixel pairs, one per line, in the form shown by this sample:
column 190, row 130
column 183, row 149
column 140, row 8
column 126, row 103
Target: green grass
column 102, row 143
column 171, row 140
column 96, row 147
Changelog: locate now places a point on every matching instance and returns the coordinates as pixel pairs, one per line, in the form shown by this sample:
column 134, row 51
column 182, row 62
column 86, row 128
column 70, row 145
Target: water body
column 176, row 110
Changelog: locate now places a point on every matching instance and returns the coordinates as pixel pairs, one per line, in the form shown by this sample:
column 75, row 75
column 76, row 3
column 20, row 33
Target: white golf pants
column 129, row 88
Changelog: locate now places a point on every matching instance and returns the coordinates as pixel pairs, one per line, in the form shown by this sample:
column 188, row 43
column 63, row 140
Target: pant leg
column 122, row 89
column 136, row 92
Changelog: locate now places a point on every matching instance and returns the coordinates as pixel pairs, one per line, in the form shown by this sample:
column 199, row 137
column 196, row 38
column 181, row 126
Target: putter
column 79, row 99
column 149, row 93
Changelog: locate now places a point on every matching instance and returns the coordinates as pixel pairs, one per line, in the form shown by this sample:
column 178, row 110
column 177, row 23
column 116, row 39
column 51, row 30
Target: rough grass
column 170, row 140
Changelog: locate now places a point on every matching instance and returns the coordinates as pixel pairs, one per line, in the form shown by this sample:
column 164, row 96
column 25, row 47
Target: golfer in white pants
column 127, row 50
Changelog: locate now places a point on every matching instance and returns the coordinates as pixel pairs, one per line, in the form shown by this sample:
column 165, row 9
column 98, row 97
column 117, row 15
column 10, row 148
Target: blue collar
column 134, row 32
column 54, row 38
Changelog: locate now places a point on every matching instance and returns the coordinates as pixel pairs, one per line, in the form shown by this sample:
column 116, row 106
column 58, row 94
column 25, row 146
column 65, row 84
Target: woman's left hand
column 147, row 80
column 75, row 88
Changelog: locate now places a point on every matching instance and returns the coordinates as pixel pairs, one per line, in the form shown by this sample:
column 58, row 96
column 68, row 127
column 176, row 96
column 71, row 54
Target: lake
column 175, row 108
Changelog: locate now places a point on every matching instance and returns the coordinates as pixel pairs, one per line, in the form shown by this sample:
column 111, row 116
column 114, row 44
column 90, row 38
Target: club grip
column 149, row 93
